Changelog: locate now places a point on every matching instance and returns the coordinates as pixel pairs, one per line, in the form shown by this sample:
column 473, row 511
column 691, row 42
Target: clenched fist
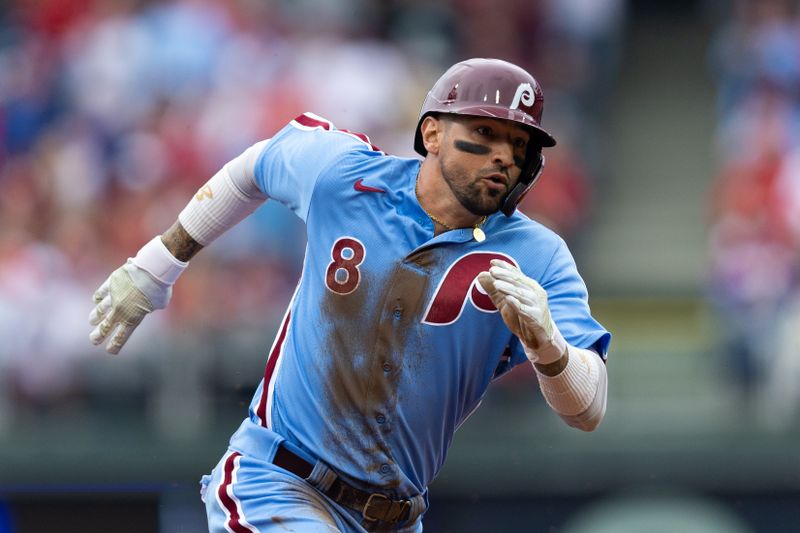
column 522, row 303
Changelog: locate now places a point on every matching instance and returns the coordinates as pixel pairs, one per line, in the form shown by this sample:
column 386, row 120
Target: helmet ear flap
column 534, row 165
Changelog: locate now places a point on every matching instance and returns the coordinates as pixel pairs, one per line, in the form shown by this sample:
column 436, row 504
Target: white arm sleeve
column 578, row 393
column 226, row 199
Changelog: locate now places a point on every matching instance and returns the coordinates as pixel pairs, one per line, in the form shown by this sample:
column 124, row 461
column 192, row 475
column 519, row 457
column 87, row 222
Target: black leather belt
column 372, row 506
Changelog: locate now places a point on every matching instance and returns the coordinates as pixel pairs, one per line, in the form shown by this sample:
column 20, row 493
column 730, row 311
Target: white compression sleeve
column 225, row 200
column 578, row 393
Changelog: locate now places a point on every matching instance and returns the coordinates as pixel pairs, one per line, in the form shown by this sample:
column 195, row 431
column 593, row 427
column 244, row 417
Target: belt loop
column 418, row 507
column 322, row 477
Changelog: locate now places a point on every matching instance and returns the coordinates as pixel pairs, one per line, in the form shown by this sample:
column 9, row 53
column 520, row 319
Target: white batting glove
column 137, row 288
column 522, row 303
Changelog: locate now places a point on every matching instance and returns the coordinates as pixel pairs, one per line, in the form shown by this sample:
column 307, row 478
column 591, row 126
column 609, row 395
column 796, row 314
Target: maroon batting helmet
column 497, row 89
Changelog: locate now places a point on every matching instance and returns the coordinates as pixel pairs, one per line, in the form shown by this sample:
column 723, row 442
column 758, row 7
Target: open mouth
column 496, row 182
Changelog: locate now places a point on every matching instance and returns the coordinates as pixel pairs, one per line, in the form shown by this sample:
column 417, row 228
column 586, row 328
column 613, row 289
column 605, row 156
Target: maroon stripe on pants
column 227, row 502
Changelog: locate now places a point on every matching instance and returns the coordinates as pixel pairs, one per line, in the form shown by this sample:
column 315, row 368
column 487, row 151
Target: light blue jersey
column 389, row 343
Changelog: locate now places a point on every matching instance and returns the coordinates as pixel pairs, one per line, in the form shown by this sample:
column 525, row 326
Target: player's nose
column 503, row 154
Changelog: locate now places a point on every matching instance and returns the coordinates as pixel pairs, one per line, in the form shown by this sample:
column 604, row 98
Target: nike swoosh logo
column 365, row 188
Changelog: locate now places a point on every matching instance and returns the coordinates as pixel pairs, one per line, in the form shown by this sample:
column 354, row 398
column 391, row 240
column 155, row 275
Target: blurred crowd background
column 112, row 113
column 754, row 213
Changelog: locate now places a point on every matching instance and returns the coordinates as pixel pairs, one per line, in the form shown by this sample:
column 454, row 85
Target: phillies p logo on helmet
column 524, row 94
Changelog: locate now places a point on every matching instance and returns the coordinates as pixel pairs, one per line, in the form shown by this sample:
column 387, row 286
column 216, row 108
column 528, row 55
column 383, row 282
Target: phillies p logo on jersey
column 460, row 284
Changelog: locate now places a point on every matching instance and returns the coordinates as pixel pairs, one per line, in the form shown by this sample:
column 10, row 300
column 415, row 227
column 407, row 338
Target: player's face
column 481, row 160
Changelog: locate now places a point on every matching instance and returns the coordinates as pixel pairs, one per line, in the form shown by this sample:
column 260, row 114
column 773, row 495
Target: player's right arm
column 144, row 283
column 285, row 168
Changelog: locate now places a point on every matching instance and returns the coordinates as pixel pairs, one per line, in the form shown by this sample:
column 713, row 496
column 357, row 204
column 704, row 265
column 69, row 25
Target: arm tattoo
column 180, row 243
column 554, row 368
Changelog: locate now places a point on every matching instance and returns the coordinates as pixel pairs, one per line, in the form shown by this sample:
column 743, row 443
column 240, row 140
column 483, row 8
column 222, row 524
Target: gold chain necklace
column 477, row 232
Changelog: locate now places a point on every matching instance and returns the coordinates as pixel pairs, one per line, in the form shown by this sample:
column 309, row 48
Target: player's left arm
column 573, row 380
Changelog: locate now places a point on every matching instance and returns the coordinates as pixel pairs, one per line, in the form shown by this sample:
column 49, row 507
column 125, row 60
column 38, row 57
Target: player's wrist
column 548, row 352
column 155, row 259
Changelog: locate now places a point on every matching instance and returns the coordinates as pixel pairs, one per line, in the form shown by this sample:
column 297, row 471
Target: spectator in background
column 755, row 267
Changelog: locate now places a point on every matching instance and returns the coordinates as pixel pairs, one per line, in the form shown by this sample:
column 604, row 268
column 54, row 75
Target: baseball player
column 421, row 285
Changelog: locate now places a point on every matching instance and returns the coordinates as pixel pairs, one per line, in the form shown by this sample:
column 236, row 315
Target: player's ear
column 432, row 129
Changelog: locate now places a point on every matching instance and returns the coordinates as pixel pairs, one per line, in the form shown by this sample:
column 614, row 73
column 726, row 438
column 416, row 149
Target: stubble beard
column 469, row 193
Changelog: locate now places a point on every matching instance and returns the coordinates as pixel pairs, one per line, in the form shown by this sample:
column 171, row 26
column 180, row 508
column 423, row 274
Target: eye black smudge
column 471, row 148
column 479, row 149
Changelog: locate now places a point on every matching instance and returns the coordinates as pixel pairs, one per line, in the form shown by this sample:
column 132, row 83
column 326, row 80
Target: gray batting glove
column 122, row 301
column 522, row 303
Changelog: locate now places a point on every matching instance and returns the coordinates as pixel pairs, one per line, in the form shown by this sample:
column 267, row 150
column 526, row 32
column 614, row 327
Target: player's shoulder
column 541, row 252
column 319, row 133
column 530, row 231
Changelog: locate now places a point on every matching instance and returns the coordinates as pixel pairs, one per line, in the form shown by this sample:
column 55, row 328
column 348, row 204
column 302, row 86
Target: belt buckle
column 365, row 511
column 406, row 504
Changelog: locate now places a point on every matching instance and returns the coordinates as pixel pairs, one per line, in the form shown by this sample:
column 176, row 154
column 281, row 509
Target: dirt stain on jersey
column 347, row 329
column 371, row 345
column 281, row 522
